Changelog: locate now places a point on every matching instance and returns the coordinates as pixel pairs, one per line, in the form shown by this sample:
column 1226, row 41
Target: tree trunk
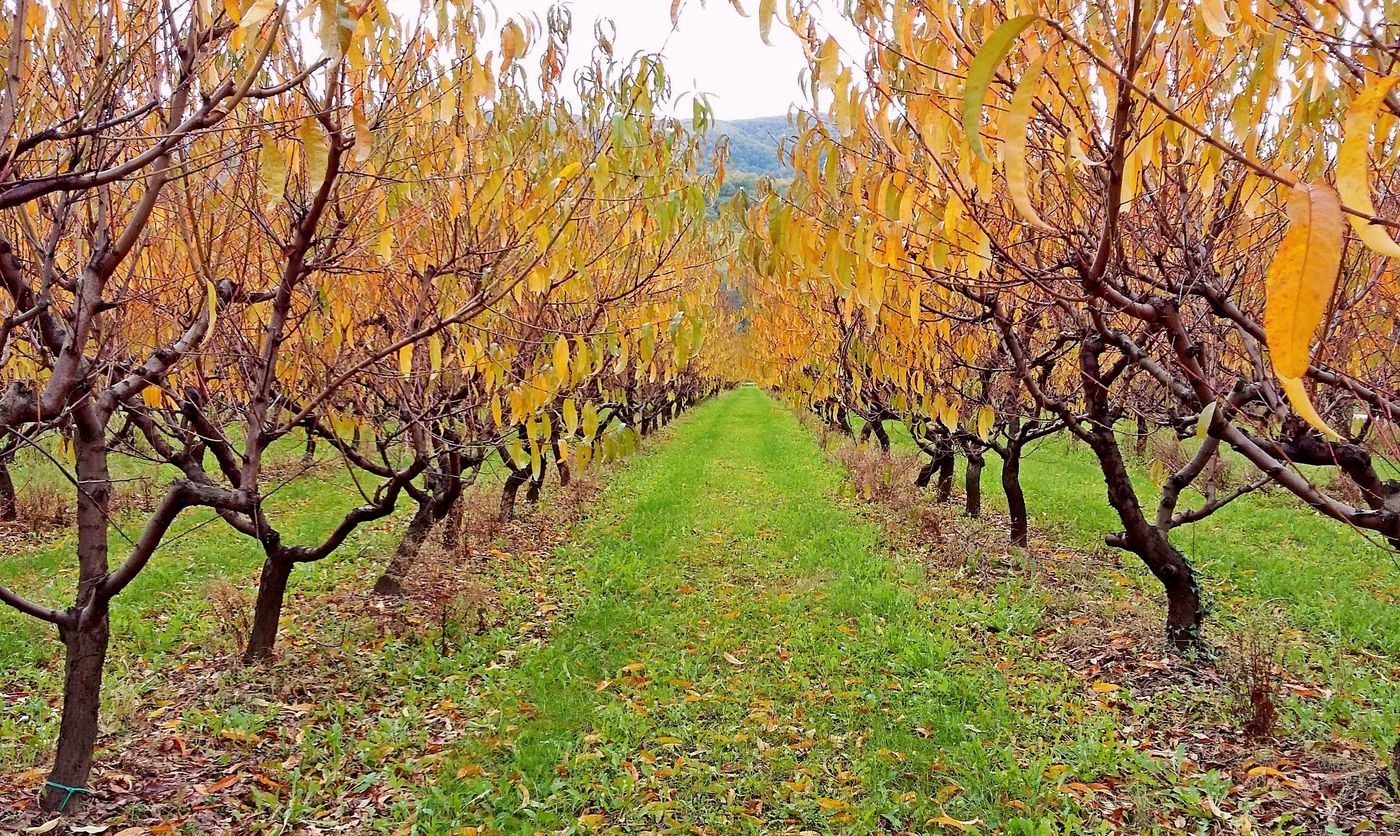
column 508, row 492
column 1015, row 496
column 1140, row 442
column 532, row 492
column 9, row 506
column 1147, row 541
column 452, row 530
column 391, row 581
column 843, row 422
column 1150, row 544
column 308, row 457
column 945, row 477
column 267, row 613
column 973, row 483
column 85, row 643
column 85, row 655
column 565, row 473
column 926, row 473
column 881, row 435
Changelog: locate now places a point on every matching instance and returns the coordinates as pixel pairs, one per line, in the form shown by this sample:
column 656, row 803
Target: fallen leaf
column 222, row 784
column 732, row 659
column 949, row 821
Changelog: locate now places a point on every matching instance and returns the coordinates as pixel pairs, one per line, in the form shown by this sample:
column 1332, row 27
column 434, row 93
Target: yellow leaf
column 591, row 820
column 256, row 14
column 1215, row 18
column 979, row 77
column 571, row 416
column 313, row 145
column 949, row 821
column 1303, row 405
column 1302, row 277
column 364, row 140
column 406, row 361
column 570, row 170
column 272, row 172
column 986, row 419
column 384, row 246
column 766, row 9
column 1017, row 121
column 1354, row 166
column 1103, row 687
column 561, row 358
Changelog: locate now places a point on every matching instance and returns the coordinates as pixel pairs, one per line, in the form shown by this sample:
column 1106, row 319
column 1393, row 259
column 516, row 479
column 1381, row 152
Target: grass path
column 748, row 657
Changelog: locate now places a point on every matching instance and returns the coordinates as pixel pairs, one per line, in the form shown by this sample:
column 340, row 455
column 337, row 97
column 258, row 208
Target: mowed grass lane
column 747, row 656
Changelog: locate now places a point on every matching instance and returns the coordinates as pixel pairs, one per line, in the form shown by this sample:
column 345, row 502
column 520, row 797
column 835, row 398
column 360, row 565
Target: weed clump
column 1251, row 669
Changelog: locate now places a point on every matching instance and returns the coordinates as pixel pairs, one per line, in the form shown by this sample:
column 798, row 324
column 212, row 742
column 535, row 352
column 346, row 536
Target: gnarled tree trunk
column 1185, row 610
column 976, row 460
column 1019, row 523
column 390, row 582
column 9, row 504
column 514, row 480
column 85, row 641
column 267, row 611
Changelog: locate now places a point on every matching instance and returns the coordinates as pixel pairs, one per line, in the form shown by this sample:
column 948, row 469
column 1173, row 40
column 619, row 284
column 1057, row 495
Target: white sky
column 714, row 50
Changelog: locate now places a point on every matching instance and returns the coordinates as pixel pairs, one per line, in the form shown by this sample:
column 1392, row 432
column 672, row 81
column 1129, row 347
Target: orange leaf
column 222, row 784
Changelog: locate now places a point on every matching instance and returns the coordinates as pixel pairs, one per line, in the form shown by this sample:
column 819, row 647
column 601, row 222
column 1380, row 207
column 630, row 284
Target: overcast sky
column 714, row 50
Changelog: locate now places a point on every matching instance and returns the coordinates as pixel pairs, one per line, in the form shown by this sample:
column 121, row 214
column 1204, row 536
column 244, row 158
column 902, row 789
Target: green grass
column 727, row 645
column 747, row 656
column 164, row 613
column 1266, row 561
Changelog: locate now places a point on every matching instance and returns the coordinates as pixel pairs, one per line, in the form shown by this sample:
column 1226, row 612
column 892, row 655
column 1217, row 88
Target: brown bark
column 509, row 492
column 1184, row 607
column 85, row 651
column 452, row 527
column 267, row 612
column 1139, row 536
column 1015, row 497
column 946, row 463
column 9, row 505
column 973, row 483
column 85, row 641
column 876, row 426
column 390, row 582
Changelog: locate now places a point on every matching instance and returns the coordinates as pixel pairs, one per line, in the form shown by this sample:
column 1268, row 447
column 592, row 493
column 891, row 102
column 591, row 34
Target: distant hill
column 753, row 151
